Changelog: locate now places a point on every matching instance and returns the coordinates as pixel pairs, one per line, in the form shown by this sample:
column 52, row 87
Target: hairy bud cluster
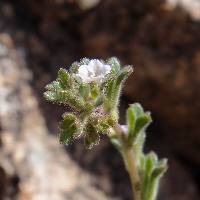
column 92, row 88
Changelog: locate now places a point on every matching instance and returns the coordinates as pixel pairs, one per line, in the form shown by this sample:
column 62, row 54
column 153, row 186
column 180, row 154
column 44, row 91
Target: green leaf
column 104, row 123
column 151, row 161
column 54, row 86
column 59, row 96
column 66, row 97
column 91, row 135
column 94, row 90
column 142, row 122
column 84, row 90
column 103, row 127
column 115, row 64
column 142, row 163
column 160, row 169
column 137, row 120
column 123, row 74
column 110, row 98
column 138, row 110
column 63, row 77
column 131, row 119
column 152, row 173
column 99, row 101
column 152, row 190
column 113, row 88
column 138, row 144
column 109, row 87
column 112, row 85
column 68, row 128
column 50, row 96
column 74, row 67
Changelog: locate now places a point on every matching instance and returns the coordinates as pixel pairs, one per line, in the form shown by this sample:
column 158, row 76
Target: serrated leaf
column 63, row 77
column 68, row 128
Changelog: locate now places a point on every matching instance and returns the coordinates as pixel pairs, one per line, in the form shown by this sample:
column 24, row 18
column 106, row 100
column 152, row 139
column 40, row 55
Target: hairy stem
column 129, row 160
column 130, row 163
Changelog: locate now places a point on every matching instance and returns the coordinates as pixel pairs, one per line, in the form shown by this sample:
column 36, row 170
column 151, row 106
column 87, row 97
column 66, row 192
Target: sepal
column 95, row 90
column 54, row 86
column 91, row 133
column 74, row 67
column 84, row 90
column 124, row 74
column 63, row 78
column 69, row 128
column 112, row 87
column 115, row 64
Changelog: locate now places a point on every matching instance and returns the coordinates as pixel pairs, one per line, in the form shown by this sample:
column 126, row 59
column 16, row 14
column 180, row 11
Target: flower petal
column 94, row 71
column 83, row 72
column 124, row 128
column 107, row 69
column 91, row 67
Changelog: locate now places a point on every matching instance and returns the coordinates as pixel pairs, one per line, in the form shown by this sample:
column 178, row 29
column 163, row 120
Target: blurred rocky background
column 161, row 38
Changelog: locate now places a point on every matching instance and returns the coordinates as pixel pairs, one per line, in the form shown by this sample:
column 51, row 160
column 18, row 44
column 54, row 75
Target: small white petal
column 83, row 72
column 94, row 71
column 124, row 128
column 90, row 68
column 96, row 66
column 107, row 69
column 83, row 69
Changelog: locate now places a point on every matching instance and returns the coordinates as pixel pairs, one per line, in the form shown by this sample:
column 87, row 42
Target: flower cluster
column 94, row 71
column 92, row 89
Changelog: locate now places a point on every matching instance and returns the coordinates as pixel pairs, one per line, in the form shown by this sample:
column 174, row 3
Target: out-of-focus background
column 161, row 38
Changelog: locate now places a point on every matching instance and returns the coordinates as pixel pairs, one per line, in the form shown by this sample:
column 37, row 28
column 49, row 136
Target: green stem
column 130, row 163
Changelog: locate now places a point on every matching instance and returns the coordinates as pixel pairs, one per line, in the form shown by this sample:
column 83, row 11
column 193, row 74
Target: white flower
column 124, row 128
column 95, row 71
